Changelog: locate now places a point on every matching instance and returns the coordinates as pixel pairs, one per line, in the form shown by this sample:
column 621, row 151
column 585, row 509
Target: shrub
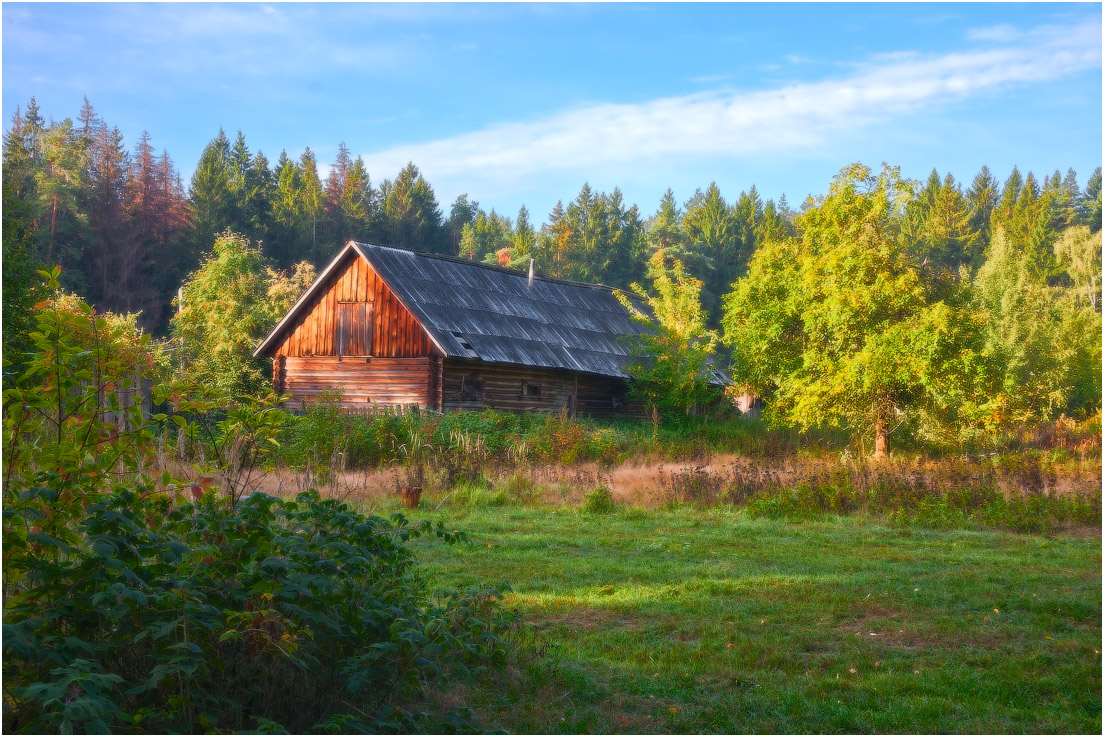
column 599, row 501
column 186, row 617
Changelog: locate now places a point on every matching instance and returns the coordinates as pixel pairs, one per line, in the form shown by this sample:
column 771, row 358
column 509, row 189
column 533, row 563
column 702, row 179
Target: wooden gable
column 354, row 313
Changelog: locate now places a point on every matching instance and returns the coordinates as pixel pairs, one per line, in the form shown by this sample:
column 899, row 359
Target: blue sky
column 521, row 104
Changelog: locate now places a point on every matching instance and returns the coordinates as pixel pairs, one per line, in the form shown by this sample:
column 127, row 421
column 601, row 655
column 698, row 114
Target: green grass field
column 692, row 620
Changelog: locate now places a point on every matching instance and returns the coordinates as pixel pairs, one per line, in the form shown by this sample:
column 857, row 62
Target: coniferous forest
column 1016, row 259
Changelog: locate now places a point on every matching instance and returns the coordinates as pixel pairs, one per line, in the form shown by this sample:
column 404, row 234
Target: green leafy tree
column 143, row 602
column 1077, row 251
column 228, row 306
column 672, row 365
column 1023, row 332
column 839, row 328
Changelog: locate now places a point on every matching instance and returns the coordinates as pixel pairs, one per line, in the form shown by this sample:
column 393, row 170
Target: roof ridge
column 505, row 270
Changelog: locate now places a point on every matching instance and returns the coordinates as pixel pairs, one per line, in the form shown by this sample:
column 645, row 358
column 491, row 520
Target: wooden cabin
column 386, row 326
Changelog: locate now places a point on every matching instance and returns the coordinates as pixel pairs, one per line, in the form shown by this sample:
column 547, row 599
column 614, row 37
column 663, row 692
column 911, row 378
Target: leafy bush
column 599, row 501
column 170, row 617
column 327, row 437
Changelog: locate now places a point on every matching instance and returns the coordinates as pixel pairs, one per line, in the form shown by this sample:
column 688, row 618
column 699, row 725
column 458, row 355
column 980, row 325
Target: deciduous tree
column 839, row 328
column 228, row 306
column 672, row 365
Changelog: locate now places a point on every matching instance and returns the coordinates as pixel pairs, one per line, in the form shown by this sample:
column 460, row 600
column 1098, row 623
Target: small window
column 471, row 389
column 531, row 390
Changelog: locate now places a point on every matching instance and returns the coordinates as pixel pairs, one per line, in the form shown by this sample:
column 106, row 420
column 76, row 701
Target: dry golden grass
column 652, row 483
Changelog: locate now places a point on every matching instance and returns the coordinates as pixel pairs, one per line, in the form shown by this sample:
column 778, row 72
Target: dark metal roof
column 479, row 311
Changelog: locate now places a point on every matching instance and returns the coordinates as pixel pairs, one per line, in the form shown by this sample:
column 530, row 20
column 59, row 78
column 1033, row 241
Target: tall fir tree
column 982, row 197
column 409, row 214
column 209, row 195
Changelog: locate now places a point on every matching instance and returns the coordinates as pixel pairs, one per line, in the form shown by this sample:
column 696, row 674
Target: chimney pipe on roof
column 531, row 261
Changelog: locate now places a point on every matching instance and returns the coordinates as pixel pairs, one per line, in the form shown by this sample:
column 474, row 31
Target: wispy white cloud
column 1003, row 33
column 733, row 123
column 710, row 79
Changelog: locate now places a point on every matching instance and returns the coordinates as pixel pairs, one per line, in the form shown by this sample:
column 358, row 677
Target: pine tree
column 555, row 241
column 1090, row 202
column 774, row 225
column 711, row 233
column 20, row 260
column 348, row 199
column 937, row 227
column 463, row 212
column 982, row 201
column 210, row 196
column 411, row 218
column 286, row 245
column 665, row 227
column 524, row 238
column 114, row 262
column 312, row 198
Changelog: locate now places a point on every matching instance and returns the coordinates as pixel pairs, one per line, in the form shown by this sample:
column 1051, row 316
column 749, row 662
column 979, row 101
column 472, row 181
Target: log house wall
column 394, row 369
column 362, row 382
column 475, row 385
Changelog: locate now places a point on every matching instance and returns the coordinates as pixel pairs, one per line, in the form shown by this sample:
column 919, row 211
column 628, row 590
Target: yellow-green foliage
column 671, row 361
column 840, row 328
column 229, row 304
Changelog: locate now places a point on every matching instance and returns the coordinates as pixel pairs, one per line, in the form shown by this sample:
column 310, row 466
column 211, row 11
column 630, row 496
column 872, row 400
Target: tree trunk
column 53, row 231
column 881, row 438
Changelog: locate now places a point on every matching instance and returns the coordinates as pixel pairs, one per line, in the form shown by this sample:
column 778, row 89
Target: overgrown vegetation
column 144, row 602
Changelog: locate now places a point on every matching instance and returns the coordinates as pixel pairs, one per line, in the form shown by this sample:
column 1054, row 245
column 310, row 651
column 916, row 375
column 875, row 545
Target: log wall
column 394, row 332
column 474, row 385
column 362, row 382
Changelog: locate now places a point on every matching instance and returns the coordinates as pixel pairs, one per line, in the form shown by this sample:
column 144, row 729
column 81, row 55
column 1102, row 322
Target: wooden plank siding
column 355, row 338
column 474, row 385
column 362, row 382
column 393, row 333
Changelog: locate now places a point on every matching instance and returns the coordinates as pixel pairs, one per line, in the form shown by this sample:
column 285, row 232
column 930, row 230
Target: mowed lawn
column 695, row 620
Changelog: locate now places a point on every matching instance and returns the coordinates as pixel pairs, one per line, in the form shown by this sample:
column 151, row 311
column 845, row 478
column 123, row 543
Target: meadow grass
column 708, row 620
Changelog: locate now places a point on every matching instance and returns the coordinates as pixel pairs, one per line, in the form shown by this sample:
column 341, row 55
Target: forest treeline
column 1019, row 257
column 126, row 231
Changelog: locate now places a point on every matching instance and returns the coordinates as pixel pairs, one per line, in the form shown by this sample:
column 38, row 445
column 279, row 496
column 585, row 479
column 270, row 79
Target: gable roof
column 478, row 311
